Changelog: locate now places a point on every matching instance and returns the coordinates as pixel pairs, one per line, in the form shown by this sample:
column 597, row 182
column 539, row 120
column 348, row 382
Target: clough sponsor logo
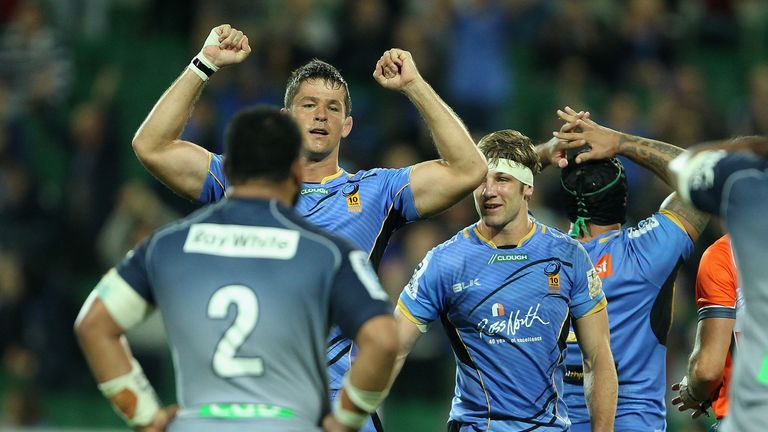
column 497, row 258
column 509, row 327
column 314, row 191
column 242, row 241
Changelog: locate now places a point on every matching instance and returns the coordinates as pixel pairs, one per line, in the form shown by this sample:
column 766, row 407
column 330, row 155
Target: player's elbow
column 379, row 335
column 707, row 373
column 475, row 171
column 85, row 327
column 141, row 147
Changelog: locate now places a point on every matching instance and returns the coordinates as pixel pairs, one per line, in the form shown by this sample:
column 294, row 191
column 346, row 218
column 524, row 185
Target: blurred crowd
column 77, row 77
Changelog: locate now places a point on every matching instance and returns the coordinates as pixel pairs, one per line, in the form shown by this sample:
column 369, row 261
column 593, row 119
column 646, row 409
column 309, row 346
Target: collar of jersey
column 604, row 237
column 332, row 177
column 536, row 227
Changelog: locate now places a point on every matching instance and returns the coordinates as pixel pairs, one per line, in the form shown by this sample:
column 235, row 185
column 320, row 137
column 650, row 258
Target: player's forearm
column 452, row 140
column 704, row 377
column 651, row 154
column 601, row 389
column 106, row 355
column 168, row 117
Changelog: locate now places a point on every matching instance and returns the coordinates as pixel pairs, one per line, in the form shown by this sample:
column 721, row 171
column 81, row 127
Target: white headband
column 515, row 169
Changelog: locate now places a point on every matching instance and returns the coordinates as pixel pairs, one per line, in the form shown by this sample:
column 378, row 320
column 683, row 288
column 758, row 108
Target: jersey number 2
column 225, row 363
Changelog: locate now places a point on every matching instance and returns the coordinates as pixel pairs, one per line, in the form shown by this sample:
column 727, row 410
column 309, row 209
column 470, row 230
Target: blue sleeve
column 711, row 172
column 215, row 184
column 397, row 187
column 356, row 294
column 659, row 243
column 587, row 290
column 133, row 269
column 423, row 298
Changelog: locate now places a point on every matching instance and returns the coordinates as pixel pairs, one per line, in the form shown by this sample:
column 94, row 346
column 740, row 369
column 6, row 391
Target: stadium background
column 78, row 76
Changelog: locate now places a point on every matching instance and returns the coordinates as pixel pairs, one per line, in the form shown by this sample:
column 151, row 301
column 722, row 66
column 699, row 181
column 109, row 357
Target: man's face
column 500, row 198
column 318, row 108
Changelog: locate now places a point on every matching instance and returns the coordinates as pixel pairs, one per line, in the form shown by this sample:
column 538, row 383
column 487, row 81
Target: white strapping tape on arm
column 124, row 304
column 348, row 418
column 132, row 396
column 366, row 400
column 200, row 65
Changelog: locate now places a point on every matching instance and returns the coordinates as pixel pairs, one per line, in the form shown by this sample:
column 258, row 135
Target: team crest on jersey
column 604, row 266
column 552, row 270
column 351, row 192
column 594, row 282
column 497, row 309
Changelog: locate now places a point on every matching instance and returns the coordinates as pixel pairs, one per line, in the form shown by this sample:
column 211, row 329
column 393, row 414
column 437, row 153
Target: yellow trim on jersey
column 332, row 176
column 608, row 237
column 479, row 375
column 673, row 217
column 571, row 337
column 482, row 237
column 598, row 307
column 406, row 313
column 384, row 221
column 528, row 236
column 465, row 232
column 221, row 184
column 543, row 229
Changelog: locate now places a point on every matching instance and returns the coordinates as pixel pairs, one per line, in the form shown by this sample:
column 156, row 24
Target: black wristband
column 202, row 67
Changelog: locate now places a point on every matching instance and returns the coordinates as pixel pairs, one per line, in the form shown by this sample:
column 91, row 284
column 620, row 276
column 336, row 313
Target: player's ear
column 527, row 192
column 346, row 128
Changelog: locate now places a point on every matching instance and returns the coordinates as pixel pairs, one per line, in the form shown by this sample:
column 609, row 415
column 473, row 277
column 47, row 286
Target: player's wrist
column 347, row 417
column 201, row 65
column 132, row 397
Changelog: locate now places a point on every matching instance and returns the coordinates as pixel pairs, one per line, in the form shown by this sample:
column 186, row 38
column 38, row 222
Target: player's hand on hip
column 603, row 142
column 162, row 419
column 396, row 70
column 684, row 402
column 330, row 424
column 226, row 45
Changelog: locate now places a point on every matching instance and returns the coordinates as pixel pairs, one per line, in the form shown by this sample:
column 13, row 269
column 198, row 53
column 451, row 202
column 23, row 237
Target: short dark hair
column 317, row 69
column 261, row 142
column 510, row 144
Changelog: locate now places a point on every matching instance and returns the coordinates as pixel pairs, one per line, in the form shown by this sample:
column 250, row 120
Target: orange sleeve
column 716, row 282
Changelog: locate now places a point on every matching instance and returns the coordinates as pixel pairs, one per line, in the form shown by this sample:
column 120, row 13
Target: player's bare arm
column 600, row 381
column 705, row 366
column 461, row 167
column 182, row 165
column 107, row 354
column 650, row 154
column 408, row 333
column 367, row 381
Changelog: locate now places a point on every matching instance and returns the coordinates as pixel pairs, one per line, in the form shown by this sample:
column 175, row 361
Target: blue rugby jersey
column 506, row 312
column 638, row 267
column 364, row 208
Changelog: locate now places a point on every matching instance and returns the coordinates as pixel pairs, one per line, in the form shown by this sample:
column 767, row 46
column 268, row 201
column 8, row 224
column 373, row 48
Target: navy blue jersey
column 364, row 208
column 734, row 186
column 248, row 291
column 507, row 313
